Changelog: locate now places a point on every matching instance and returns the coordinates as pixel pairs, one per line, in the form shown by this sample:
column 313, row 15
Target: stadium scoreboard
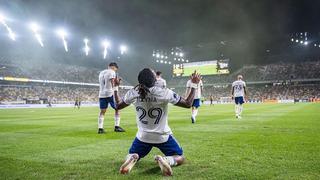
column 213, row 67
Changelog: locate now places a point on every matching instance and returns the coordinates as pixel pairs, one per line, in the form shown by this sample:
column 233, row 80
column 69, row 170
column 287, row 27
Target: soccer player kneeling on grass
column 238, row 92
column 151, row 104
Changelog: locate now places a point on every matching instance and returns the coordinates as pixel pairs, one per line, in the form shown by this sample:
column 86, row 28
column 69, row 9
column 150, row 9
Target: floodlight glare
column 181, row 54
column 305, row 43
column 34, row 27
column 62, row 33
column 123, row 49
column 297, row 40
column 157, row 55
column 86, row 47
column 105, row 44
column 292, row 39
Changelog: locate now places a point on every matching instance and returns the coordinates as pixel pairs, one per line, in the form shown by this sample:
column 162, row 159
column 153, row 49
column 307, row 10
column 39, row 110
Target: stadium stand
column 280, row 81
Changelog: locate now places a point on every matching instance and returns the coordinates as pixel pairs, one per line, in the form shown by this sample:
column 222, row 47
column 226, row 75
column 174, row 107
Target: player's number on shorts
column 154, row 113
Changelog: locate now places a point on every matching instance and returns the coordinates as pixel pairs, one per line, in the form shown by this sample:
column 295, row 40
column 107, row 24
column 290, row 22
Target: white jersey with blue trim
column 152, row 113
column 197, row 93
column 161, row 83
column 238, row 88
column 105, row 83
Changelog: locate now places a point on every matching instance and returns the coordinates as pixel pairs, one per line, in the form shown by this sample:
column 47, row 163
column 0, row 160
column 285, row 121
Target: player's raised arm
column 187, row 102
column 119, row 103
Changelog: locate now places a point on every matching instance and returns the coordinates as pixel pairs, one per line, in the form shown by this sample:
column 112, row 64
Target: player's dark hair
column 146, row 79
column 113, row 64
column 158, row 73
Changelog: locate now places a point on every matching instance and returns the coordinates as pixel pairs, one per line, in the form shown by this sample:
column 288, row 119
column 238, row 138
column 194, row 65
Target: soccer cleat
column 193, row 120
column 101, row 131
column 164, row 165
column 129, row 163
column 118, row 129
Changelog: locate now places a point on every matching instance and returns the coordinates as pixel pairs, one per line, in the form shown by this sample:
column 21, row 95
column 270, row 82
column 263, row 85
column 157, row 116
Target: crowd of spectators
column 54, row 94
column 272, row 87
column 51, row 71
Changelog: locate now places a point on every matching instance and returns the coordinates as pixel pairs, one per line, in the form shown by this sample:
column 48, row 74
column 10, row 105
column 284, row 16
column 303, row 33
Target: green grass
column 274, row 141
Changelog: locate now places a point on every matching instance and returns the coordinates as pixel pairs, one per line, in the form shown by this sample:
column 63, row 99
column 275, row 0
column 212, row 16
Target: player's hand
column 195, row 78
column 116, row 81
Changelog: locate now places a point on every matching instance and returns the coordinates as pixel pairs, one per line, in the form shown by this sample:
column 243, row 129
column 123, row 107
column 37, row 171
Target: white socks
column 117, row 120
column 100, row 121
column 238, row 109
column 170, row 160
column 194, row 113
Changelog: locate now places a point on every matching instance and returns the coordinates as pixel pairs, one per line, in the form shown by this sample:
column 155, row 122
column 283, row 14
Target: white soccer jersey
column 105, row 77
column 238, row 87
column 161, row 83
column 197, row 94
column 152, row 113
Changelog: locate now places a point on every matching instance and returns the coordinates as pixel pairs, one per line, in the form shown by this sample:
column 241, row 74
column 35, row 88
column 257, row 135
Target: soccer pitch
column 271, row 141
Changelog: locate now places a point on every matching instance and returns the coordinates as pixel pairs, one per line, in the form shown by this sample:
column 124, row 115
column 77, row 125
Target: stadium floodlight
column 172, row 52
column 319, row 45
column 86, row 46
column 301, row 42
column 166, row 57
column 161, row 56
column 153, row 54
column 315, row 45
column 11, row 34
column 169, row 62
column 177, row 54
column 105, row 45
column 181, row 54
column 123, row 49
column 174, row 58
column 35, row 29
column 157, row 55
column 292, row 39
column 305, row 43
column 161, row 61
column 187, row 60
column 157, row 61
column 297, row 40
column 62, row 34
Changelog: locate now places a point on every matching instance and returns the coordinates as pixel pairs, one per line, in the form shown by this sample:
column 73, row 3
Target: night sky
column 253, row 31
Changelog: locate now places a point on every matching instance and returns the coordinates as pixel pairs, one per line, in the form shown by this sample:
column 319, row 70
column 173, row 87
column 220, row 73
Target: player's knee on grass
column 179, row 159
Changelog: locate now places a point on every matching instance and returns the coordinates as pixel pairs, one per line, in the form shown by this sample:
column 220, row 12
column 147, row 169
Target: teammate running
column 238, row 93
column 106, row 97
column 151, row 104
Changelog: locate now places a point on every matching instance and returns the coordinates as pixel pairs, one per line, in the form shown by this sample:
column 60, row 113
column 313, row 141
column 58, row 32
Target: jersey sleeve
column 172, row 97
column 130, row 97
column 164, row 83
column 189, row 84
column 244, row 84
column 201, row 83
column 112, row 75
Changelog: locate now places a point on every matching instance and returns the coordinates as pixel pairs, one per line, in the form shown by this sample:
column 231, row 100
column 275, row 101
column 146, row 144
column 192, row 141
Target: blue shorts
column 239, row 100
column 169, row 148
column 196, row 103
column 104, row 102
